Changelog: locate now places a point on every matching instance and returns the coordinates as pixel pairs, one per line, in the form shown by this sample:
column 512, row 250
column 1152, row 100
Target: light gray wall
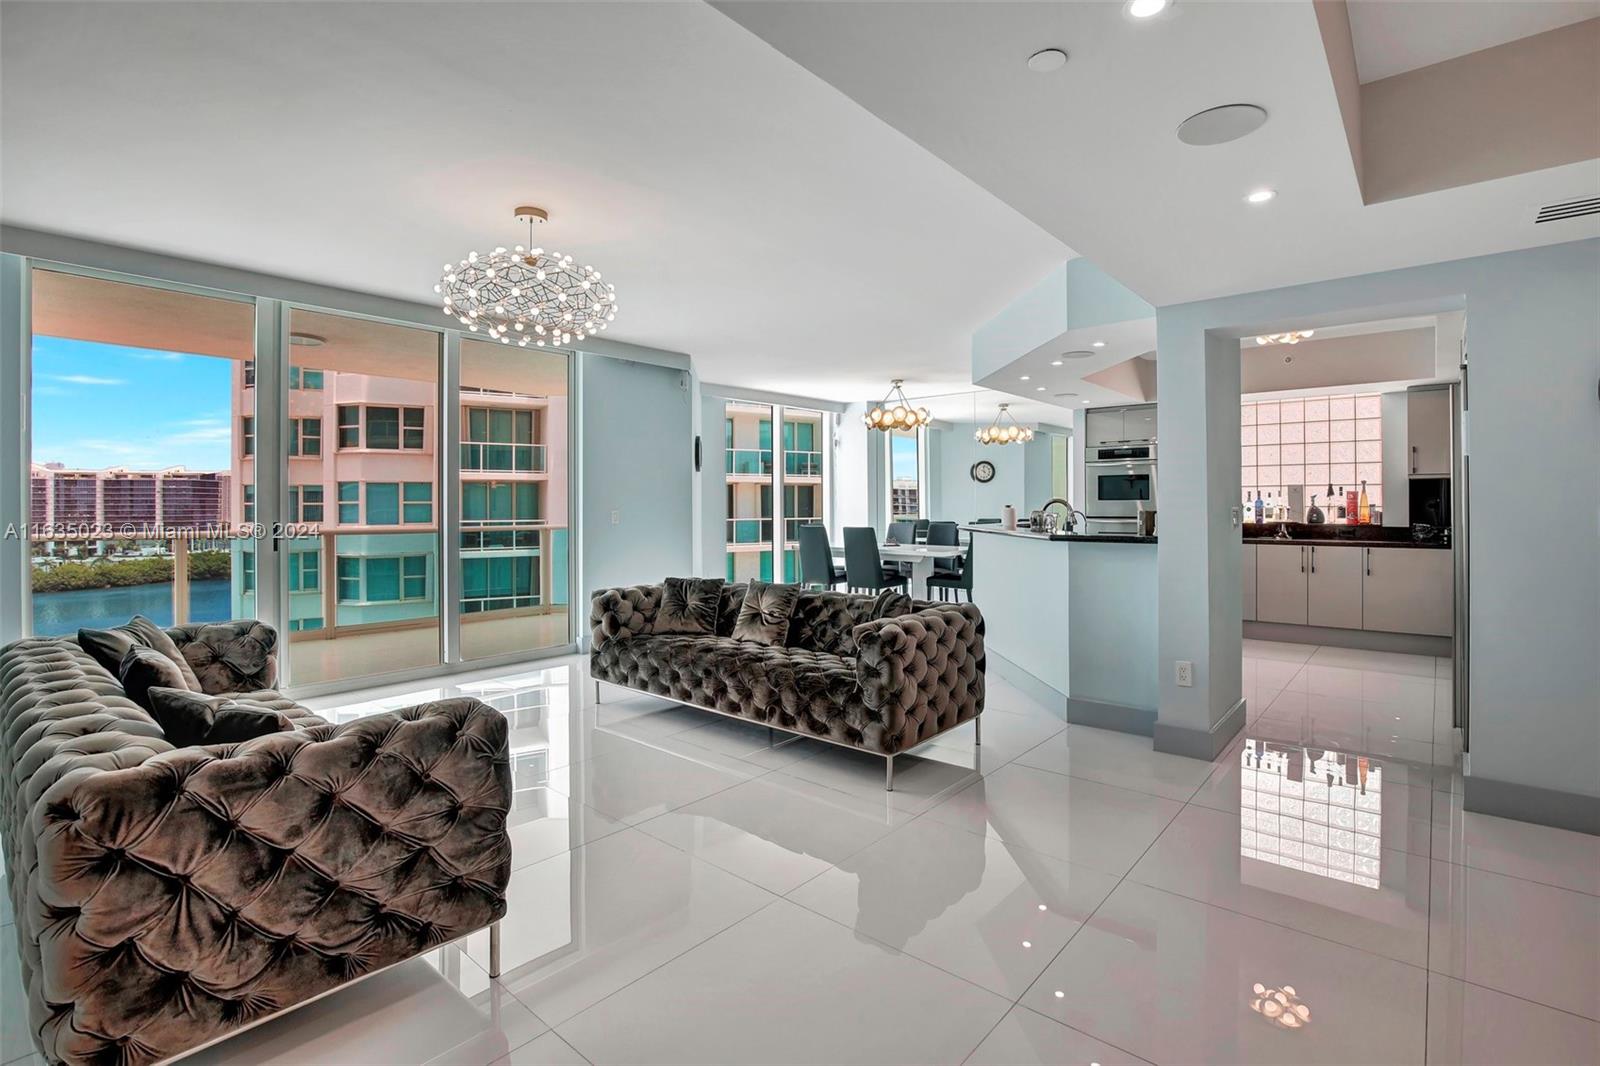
column 637, row 461
column 713, row 487
column 1036, row 486
column 1396, row 468
column 1533, row 333
column 852, row 462
column 1200, row 616
column 955, row 497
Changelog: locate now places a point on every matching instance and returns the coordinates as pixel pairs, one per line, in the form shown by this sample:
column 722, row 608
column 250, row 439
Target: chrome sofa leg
column 494, row 949
column 977, row 731
column 888, row 773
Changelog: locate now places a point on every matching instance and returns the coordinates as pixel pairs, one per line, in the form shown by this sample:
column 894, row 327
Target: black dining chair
column 863, row 566
column 919, row 531
column 945, row 535
column 816, row 558
column 903, row 532
column 954, row 584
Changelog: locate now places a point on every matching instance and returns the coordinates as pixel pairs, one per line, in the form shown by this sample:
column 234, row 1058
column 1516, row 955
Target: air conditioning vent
column 1570, row 209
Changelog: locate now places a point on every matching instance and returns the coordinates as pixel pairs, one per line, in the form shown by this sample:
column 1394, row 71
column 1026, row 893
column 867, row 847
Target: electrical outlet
column 616, row 518
column 1185, row 673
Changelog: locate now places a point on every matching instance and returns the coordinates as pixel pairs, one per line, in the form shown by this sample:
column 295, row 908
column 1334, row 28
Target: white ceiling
column 748, row 213
column 1394, row 36
column 1089, row 151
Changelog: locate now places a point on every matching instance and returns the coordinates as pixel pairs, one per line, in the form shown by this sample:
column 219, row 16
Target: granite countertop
column 1336, row 536
column 1091, row 538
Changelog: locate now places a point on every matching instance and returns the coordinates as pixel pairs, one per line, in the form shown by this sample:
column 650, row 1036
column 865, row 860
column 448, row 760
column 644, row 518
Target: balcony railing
column 791, row 527
column 523, row 458
column 749, row 530
column 750, row 461
column 802, row 464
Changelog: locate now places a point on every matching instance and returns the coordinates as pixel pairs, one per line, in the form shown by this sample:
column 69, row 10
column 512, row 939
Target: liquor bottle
column 1249, row 509
column 1337, row 503
column 1366, row 506
column 1352, row 508
column 1272, row 509
column 1260, row 507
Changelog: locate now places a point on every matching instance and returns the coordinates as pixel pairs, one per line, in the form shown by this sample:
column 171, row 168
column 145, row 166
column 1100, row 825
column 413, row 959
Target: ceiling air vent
column 1570, row 209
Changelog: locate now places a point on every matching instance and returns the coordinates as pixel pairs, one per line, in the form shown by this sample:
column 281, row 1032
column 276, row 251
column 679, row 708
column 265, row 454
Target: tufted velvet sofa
column 881, row 685
column 165, row 897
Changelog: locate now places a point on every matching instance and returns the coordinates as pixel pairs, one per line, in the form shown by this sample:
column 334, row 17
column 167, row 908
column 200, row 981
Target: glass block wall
column 1312, row 441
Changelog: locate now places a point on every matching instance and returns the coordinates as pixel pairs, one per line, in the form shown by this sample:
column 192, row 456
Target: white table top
column 913, row 552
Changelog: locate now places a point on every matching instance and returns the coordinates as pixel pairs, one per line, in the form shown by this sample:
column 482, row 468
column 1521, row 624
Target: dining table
column 920, row 556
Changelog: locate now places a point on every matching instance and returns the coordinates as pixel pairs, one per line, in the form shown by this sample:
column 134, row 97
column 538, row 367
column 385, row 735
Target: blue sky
column 100, row 405
column 903, row 457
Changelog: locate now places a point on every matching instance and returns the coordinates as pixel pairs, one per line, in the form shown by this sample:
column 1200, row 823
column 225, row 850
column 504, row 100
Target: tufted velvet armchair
column 883, row 685
column 165, row 897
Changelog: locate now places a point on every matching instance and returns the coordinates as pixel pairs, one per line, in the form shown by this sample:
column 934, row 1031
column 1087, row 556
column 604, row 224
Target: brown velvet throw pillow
column 184, row 717
column 891, row 603
column 688, row 605
column 764, row 618
column 145, row 668
column 110, row 646
column 191, row 718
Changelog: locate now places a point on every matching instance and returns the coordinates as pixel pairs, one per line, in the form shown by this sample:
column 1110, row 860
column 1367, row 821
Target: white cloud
column 85, row 379
column 154, row 356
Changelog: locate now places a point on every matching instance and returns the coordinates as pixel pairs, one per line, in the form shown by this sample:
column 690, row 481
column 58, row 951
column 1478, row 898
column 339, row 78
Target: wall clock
column 983, row 471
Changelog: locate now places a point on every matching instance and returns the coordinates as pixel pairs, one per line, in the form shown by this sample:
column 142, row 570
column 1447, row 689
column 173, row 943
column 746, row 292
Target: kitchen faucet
column 1071, row 510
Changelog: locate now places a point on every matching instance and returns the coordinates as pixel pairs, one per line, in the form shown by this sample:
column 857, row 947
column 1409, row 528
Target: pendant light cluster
column 527, row 295
column 1004, row 429
column 896, row 412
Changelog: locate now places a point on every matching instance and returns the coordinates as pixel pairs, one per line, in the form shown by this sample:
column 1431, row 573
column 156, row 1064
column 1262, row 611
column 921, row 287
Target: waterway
column 63, row 613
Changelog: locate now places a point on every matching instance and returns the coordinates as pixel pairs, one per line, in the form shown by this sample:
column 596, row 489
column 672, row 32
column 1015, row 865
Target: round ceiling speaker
column 1219, row 125
column 1047, row 60
column 1080, row 354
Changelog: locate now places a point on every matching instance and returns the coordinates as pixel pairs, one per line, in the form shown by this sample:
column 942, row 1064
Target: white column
column 1199, row 553
column 15, row 353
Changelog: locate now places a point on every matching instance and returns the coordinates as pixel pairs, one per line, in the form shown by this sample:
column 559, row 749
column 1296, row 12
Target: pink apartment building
column 363, row 471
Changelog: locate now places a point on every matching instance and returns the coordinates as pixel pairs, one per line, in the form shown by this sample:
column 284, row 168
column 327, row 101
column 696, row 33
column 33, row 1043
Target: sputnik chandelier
column 1294, row 336
column 527, row 295
column 1004, row 429
column 896, row 412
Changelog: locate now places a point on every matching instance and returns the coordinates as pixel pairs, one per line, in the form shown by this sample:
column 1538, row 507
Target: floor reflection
column 1311, row 809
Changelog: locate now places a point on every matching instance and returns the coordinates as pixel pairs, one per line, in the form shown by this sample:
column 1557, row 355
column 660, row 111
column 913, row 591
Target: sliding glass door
column 803, row 475
column 775, row 483
column 514, row 586
column 200, row 456
column 136, row 487
column 360, row 558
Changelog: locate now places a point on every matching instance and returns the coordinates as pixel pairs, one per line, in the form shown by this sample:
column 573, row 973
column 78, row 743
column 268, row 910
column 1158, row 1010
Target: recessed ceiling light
column 1038, row 388
column 1144, row 9
column 1024, row 377
column 1055, row 362
column 1260, row 196
column 1049, row 59
column 1099, row 344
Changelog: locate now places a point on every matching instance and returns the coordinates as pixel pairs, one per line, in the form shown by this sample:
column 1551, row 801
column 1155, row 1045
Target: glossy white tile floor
column 688, row 890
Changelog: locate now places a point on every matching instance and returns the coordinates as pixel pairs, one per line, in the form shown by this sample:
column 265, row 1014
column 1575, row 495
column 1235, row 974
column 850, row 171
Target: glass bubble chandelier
column 1004, row 429
column 526, row 295
column 896, row 412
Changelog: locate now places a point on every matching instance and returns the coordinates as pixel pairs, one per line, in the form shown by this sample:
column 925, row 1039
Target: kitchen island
column 1071, row 620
